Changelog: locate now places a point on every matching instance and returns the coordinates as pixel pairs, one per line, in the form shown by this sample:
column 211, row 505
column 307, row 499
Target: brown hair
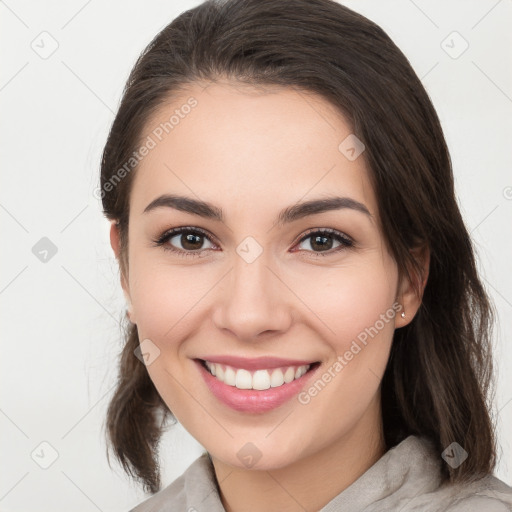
column 439, row 375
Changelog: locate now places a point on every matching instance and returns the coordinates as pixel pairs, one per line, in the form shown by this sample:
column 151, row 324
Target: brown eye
column 189, row 241
column 324, row 241
column 185, row 241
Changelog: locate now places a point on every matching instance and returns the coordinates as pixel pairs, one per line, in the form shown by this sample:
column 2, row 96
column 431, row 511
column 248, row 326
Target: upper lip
column 257, row 363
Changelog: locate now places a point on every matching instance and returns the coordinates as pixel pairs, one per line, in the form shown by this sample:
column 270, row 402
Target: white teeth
column 260, row 379
column 289, row 375
column 277, row 379
column 230, row 376
column 243, row 379
column 300, row 372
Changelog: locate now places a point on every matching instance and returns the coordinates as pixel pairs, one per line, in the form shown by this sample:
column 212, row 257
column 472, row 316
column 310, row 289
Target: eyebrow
column 288, row 215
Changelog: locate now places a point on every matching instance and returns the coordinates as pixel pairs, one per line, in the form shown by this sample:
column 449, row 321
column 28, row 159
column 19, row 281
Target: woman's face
column 253, row 282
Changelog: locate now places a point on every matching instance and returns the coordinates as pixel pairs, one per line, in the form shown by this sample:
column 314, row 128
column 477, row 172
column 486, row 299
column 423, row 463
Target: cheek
column 165, row 298
column 352, row 300
column 356, row 305
column 166, row 303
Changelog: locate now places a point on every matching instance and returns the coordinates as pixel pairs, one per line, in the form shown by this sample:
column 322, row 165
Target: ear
column 411, row 289
column 115, row 243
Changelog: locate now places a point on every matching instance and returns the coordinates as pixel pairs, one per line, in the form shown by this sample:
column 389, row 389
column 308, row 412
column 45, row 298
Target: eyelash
column 161, row 241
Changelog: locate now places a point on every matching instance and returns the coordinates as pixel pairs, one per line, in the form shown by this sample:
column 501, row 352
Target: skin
column 253, row 152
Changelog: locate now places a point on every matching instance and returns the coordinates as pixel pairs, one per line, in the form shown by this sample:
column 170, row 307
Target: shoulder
column 421, row 487
column 488, row 494
column 195, row 491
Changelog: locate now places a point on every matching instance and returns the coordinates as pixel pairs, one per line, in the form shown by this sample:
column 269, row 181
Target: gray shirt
column 406, row 478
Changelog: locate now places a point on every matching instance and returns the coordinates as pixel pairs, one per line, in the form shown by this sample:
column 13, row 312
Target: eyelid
column 329, row 231
column 346, row 242
column 171, row 233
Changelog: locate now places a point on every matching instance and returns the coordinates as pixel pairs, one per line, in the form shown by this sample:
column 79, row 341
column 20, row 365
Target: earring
column 403, row 314
column 129, row 311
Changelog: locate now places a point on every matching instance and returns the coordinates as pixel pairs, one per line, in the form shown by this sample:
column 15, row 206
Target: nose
column 253, row 301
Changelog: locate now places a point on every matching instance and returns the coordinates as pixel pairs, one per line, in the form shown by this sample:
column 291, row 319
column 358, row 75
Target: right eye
column 184, row 241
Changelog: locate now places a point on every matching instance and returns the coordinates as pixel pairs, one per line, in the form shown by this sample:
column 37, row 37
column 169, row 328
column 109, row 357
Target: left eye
column 322, row 241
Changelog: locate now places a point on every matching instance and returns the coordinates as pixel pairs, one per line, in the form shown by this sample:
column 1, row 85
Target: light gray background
column 59, row 319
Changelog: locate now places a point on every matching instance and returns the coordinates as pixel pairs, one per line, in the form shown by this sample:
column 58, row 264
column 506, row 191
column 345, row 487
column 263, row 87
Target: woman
column 302, row 289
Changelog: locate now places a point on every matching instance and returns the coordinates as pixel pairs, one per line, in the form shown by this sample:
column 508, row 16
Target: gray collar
column 406, row 478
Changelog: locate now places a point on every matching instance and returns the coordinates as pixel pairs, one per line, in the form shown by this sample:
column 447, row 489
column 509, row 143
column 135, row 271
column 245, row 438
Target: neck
column 310, row 482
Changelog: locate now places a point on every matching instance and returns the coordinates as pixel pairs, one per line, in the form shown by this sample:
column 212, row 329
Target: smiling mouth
column 260, row 379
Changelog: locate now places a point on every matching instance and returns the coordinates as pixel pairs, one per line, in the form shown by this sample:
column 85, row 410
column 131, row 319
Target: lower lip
column 250, row 400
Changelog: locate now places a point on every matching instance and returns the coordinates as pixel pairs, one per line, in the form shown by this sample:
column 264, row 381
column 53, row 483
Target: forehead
column 228, row 141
